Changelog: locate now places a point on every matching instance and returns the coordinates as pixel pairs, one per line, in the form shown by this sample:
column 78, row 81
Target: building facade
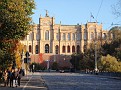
column 55, row 42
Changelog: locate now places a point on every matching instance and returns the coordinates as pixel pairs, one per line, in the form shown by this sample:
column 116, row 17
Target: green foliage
column 6, row 59
column 38, row 66
column 15, row 21
column 15, row 18
column 75, row 60
column 110, row 63
column 114, row 48
column 54, row 66
column 116, row 31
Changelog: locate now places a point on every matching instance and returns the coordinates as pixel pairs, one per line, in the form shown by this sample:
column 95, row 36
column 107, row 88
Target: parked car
column 61, row 71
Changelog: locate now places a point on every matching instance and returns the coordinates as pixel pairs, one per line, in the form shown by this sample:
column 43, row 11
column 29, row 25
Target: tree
column 109, row 63
column 55, row 66
column 15, row 18
column 15, row 23
column 75, row 58
column 114, row 47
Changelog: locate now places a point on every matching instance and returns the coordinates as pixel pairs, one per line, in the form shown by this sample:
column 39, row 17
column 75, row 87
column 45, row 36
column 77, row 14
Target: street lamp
column 48, row 64
column 96, row 57
column 96, row 69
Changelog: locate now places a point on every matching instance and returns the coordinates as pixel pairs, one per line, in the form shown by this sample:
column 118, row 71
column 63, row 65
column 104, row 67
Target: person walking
column 19, row 76
column 8, row 77
column 5, row 75
column 16, row 77
column 11, row 78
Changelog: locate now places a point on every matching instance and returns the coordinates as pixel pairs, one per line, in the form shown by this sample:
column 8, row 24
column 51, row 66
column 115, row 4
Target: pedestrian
column 11, row 78
column 19, row 76
column 8, row 77
column 16, row 77
column 5, row 75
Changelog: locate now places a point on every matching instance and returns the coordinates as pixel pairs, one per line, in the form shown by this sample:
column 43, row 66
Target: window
column 99, row 35
column 25, row 38
column 78, row 36
column 30, row 48
column 73, row 49
column 57, row 36
column 46, row 48
column 64, row 36
column 69, row 37
column 30, row 36
column 85, row 35
column 56, row 49
column 37, row 35
column 68, row 49
column 63, row 49
column 104, row 36
column 111, row 36
column 47, row 35
column 92, row 36
column 36, row 49
column 78, row 49
column 73, row 36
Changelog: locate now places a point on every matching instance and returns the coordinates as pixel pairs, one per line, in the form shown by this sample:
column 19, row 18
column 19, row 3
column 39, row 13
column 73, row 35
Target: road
column 66, row 81
column 72, row 81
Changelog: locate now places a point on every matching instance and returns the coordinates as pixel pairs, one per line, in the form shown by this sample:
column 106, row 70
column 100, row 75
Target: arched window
column 85, row 35
column 78, row 49
column 64, row 36
column 104, row 36
column 46, row 48
column 73, row 36
column 57, row 36
column 99, row 35
column 78, row 36
column 37, row 35
column 25, row 38
column 63, row 49
column 92, row 36
column 73, row 49
column 68, row 49
column 47, row 35
column 30, row 48
column 30, row 36
column 36, row 49
column 69, row 36
column 111, row 36
column 56, row 49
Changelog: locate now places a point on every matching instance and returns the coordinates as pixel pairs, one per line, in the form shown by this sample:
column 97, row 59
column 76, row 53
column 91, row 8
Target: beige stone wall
column 82, row 35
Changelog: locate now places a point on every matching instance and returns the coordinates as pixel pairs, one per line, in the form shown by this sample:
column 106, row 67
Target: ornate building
column 55, row 42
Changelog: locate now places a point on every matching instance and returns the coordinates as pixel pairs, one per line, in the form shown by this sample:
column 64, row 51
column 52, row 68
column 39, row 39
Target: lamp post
column 96, row 57
column 96, row 69
column 48, row 64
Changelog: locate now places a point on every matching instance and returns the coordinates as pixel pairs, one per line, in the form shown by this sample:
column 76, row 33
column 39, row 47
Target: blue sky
column 71, row 12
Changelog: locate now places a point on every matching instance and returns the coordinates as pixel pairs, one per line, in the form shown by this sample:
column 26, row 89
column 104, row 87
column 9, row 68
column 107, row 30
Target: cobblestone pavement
column 75, row 81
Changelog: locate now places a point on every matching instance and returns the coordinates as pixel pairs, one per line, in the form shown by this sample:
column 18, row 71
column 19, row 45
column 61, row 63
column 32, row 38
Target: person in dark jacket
column 12, row 75
column 19, row 76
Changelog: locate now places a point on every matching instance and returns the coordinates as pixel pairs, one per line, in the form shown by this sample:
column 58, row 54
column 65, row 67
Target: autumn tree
column 15, row 23
column 110, row 63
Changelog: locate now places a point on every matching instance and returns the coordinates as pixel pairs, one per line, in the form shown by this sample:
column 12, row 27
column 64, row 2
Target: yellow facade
column 47, row 37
